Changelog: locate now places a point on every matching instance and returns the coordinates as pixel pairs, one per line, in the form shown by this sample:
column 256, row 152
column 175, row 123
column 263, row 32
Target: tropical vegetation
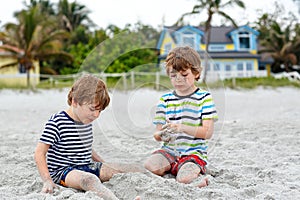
column 280, row 39
column 33, row 39
column 64, row 40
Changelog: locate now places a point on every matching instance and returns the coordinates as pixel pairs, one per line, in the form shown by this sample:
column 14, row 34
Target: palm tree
column 45, row 6
column 32, row 38
column 212, row 7
column 279, row 40
column 280, row 47
column 73, row 15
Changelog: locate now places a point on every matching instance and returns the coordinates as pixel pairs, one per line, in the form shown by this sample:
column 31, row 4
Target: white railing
column 237, row 74
column 54, row 79
column 129, row 79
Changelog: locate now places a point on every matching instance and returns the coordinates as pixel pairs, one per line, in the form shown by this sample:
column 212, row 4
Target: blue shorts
column 93, row 168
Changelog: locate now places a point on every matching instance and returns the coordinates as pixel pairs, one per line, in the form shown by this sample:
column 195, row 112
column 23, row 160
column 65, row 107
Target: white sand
column 254, row 154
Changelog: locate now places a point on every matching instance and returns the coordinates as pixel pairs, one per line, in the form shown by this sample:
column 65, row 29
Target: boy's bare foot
column 203, row 183
column 137, row 198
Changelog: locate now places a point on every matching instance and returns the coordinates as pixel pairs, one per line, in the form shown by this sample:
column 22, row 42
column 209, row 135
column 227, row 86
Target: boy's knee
column 154, row 168
column 147, row 165
column 187, row 173
column 184, row 179
column 88, row 181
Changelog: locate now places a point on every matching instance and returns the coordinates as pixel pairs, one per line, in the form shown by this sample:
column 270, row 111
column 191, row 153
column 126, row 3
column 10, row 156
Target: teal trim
column 235, row 41
column 198, row 42
column 246, row 28
column 161, row 39
column 253, row 37
column 253, row 42
column 190, row 28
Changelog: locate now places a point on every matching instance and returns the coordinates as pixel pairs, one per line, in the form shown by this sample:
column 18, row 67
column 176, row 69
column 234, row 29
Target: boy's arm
column 205, row 131
column 40, row 159
column 157, row 135
column 96, row 157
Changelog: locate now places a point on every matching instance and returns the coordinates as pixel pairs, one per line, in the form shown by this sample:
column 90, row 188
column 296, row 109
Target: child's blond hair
column 91, row 90
column 182, row 59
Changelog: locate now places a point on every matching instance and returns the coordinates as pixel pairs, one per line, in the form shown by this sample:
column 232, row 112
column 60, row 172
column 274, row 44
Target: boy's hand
column 167, row 133
column 171, row 128
column 167, row 136
column 48, row 186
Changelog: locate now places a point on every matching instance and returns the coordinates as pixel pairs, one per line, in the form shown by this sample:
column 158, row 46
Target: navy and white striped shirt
column 70, row 143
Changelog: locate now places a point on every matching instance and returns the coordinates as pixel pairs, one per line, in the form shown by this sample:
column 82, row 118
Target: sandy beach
column 254, row 153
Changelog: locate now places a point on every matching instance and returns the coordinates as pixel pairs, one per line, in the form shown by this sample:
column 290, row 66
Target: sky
column 155, row 12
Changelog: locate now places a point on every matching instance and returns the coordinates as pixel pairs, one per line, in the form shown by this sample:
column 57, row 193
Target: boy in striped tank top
column 64, row 153
column 184, row 121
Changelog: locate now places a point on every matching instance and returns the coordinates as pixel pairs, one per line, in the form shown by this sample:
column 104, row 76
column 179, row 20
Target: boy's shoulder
column 168, row 94
column 57, row 116
column 201, row 91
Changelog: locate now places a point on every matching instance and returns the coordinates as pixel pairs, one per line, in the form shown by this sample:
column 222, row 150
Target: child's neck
column 186, row 92
column 71, row 114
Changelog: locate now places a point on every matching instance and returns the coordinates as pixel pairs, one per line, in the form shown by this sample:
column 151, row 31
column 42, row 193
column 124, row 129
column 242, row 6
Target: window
column 189, row 40
column 22, row 69
column 249, row 66
column 261, row 67
column 216, row 67
column 208, row 68
column 240, row 67
column 244, row 40
column 227, row 67
column 215, row 47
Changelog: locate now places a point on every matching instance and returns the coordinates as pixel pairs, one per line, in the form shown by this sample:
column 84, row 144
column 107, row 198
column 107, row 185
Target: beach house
column 16, row 74
column 232, row 51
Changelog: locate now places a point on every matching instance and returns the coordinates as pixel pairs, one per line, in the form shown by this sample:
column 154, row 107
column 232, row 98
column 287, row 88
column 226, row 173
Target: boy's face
column 85, row 113
column 183, row 80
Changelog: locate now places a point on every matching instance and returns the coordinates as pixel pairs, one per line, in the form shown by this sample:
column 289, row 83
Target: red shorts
column 176, row 161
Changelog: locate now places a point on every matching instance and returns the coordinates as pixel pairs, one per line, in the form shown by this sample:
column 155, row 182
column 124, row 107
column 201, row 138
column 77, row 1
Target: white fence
column 237, row 74
column 128, row 79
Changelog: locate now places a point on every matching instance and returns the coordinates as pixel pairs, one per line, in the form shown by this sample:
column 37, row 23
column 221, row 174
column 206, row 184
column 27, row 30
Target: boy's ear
column 74, row 103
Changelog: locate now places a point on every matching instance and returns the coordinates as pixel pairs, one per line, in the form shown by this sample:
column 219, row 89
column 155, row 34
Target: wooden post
column 103, row 77
column 51, row 81
column 157, row 75
column 233, row 82
column 124, row 81
column 132, row 79
column 234, row 79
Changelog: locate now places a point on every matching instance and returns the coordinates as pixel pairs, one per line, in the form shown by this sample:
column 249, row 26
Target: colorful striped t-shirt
column 189, row 110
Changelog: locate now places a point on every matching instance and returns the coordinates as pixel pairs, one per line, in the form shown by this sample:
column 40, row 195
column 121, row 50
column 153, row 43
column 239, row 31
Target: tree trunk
column 28, row 77
column 207, row 40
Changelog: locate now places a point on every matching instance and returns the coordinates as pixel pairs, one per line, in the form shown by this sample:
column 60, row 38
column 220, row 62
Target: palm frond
column 12, row 64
